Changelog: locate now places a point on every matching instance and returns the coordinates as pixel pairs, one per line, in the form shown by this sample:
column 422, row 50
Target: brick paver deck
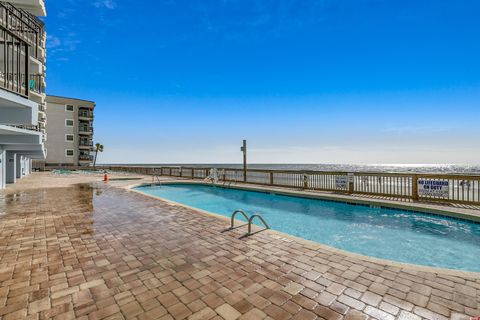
column 95, row 253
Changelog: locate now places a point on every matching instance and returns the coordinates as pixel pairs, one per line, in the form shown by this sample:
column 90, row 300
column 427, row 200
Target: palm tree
column 98, row 148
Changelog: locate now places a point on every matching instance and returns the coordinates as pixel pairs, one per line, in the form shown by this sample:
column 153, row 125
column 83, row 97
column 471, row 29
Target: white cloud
column 108, row 4
column 53, row 42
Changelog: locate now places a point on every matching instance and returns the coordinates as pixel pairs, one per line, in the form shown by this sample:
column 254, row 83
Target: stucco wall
column 56, row 134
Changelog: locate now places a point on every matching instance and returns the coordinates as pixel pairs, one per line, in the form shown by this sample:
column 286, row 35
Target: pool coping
column 418, row 207
column 279, row 234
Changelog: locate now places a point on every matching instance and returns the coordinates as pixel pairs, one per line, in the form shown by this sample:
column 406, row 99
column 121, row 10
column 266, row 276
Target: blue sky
column 359, row 81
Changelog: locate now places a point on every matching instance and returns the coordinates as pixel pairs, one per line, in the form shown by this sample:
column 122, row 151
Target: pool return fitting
column 249, row 220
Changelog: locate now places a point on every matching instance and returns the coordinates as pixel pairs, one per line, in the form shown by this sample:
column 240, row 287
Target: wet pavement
column 94, row 251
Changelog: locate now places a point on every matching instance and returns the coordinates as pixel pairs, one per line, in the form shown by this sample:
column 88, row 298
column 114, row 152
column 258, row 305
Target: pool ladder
column 249, row 220
column 156, row 176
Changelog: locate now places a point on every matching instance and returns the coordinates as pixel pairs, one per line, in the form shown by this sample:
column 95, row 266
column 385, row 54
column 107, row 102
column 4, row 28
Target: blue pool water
column 397, row 235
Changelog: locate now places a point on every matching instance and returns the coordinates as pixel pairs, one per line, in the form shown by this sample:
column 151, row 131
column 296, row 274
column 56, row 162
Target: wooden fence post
column 351, row 182
column 415, row 187
column 271, row 178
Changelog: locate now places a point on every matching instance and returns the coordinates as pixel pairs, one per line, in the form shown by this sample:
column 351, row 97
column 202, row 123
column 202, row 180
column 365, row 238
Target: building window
column 69, row 107
column 69, row 137
column 69, row 123
column 69, row 152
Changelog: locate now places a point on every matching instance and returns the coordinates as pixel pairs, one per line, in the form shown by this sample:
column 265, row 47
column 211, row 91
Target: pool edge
column 403, row 265
column 418, row 207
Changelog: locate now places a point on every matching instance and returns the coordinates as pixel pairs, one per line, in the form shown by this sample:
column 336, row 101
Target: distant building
column 69, row 132
column 22, row 87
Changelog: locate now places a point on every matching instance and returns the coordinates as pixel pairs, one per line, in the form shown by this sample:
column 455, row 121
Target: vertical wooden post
column 415, row 187
column 271, row 178
column 244, row 150
column 351, row 182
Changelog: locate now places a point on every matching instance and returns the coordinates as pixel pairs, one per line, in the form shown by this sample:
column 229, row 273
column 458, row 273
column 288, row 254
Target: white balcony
column 16, row 110
column 22, row 141
column 37, row 97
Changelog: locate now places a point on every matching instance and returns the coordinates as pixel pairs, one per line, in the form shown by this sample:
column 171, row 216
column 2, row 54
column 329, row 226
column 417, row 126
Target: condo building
column 22, row 88
column 70, row 132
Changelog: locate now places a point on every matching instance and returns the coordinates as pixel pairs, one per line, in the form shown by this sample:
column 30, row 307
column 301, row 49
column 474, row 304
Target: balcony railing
column 15, row 63
column 23, row 25
column 16, row 82
column 85, row 114
column 85, row 129
column 28, row 127
column 35, row 83
column 85, row 144
column 21, row 37
column 85, row 157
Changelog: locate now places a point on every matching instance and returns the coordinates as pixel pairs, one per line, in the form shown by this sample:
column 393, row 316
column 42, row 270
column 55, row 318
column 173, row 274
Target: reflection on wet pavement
column 96, row 252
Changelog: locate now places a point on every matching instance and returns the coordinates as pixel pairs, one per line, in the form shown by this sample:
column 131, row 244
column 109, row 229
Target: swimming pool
column 402, row 236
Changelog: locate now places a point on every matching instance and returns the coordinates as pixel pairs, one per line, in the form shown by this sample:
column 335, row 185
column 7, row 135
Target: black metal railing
column 85, row 143
column 85, row 114
column 85, row 129
column 16, row 82
column 15, row 63
column 24, row 25
column 35, row 83
column 27, row 127
column 21, row 37
column 85, row 157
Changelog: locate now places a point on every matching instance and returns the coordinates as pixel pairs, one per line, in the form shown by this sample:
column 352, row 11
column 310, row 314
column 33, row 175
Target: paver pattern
column 96, row 252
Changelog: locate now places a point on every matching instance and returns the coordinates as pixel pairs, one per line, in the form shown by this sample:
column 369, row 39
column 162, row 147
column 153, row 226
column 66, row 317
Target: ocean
column 403, row 168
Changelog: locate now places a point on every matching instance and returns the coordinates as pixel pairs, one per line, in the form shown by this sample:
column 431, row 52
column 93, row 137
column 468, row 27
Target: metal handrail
column 158, row 180
column 251, row 220
column 157, row 176
column 232, row 219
